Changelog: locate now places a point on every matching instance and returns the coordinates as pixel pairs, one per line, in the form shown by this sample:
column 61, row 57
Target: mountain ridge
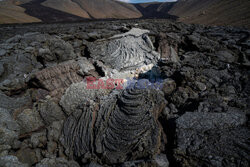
column 213, row 12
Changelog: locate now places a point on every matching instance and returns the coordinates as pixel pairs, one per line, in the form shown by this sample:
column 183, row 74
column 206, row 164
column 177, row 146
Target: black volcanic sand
column 200, row 117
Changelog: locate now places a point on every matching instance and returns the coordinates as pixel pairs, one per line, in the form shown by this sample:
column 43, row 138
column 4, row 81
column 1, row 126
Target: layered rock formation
column 118, row 130
column 57, row 79
column 187, row 105
column 126, row 51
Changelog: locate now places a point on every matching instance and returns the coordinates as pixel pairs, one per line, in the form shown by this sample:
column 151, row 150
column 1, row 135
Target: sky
column 141, row 1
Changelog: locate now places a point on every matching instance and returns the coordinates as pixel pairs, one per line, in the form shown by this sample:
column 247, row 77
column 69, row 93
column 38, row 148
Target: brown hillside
column 209, row 12
column 67, row 6
column 11, row 13
column 101, row 9
column 213, row 12
column 97, row 9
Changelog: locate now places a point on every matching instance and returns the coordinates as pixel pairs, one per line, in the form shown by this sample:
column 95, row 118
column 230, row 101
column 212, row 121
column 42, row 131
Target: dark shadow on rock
column 169, row 127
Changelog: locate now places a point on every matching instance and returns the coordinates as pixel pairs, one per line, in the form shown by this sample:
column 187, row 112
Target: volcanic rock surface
column 126, row 51
column 165, row 94
column 120, row 129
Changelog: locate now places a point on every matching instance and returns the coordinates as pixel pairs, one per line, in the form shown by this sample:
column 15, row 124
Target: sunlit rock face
column 130, row 50
column 119, row 129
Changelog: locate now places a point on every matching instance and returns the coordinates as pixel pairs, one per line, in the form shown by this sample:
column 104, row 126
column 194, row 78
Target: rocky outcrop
column 9, row 131
column 29, row 120
column 213, row 139
column 78, row 94
column 27, row 54
column 56, row 79
column 119, row 128
column 126, row 51
column 185, row 105
column 168, row 48
column 50, row 111
column 11, row 103
column 57, row 162
column 9, row 161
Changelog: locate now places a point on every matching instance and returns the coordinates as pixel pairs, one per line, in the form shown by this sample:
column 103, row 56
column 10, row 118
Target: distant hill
column 97, row 9
column 210, row 12
column 25, row 11
column 155, row 10
column 46, row 14
column 11, row 13
column 213, row 12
